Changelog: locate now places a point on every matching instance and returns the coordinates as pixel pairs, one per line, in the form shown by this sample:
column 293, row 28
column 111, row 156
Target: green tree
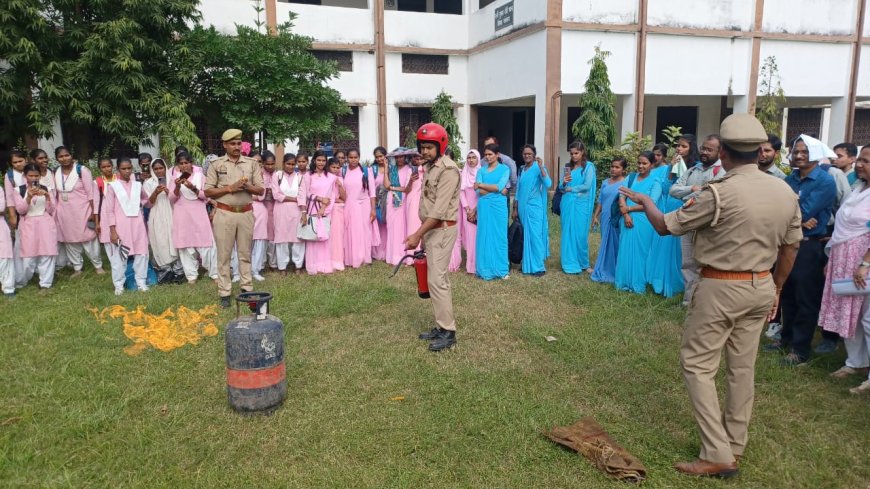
column 261, row 82
column 772, row 101
column 596, row 125
column 443, row 114
column 95, row 65
column 630, row 148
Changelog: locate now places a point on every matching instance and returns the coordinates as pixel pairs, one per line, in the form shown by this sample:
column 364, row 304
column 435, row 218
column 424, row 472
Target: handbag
column 322, row 227
column 557, row 202
column 515, row 242
column 615, row 214
column 846, row 286
column 306, row 230
column 381, row 204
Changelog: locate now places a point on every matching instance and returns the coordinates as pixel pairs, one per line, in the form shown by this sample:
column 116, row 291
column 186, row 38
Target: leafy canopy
column 596, row 125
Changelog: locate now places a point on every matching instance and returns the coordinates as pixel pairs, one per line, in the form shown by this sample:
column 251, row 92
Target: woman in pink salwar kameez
column 359, row 211
column 379, row 229
column 319, row 186
column 123, row 205
column 468, row 208
column 412, row 213
column 286, row 187
column 37, row 231
column 397, row 181
column 76, row 205
column 264, row 230
column 336, row 238
column 191, row 230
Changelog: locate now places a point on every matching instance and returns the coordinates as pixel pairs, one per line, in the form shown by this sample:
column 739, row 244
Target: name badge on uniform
column 64, row 196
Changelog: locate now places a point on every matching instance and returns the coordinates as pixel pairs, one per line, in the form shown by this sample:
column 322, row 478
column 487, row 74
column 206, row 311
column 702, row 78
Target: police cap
column 231, row 134
column 742, row 132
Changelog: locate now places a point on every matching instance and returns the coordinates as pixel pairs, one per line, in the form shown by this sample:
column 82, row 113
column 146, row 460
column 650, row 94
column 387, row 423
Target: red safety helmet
column 432, row 133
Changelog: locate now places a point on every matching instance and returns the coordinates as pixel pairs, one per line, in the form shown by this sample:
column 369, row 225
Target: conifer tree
column 596, row 125
column 772, row 100
column 443, row 114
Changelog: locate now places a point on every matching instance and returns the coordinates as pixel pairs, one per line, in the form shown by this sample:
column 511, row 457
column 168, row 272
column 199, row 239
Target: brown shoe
column 702, row 467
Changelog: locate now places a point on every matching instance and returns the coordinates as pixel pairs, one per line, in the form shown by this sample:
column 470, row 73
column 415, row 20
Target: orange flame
column 167, row 331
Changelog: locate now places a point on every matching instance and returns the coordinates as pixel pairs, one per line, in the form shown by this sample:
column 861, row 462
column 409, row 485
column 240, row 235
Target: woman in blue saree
column 492, row 217
column 665, row 257
column 605, row 264
column 578, row 203
column 636, row 232
column 531, row 207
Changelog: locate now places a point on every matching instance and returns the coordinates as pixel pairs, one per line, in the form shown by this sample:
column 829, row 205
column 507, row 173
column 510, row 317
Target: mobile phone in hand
column 185, row 176
column 161, row 180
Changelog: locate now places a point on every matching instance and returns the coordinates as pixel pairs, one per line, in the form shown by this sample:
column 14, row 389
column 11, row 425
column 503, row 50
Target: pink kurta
column 286, row 213
column 73, row 213
column 379, row 231
column 131, row 229
column 840, row 313
column 456, row 255
column 5, row 235
column 263, row 208
column 397, row 220
column 318, row 254
column 190, row 225
column 336, row 237
column 10, row 186
column 467, row 230
column 358, row 222
column 413, row 211
column 38, row 234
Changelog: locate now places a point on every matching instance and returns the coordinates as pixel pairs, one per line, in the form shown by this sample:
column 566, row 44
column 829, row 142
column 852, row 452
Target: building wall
column 597, row 12
column 733, row 15
column 419, row 29
column 328, row 24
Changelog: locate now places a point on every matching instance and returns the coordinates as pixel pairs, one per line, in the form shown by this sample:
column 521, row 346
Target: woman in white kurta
column 191, row 229
column 127, row 234
column 163, row 252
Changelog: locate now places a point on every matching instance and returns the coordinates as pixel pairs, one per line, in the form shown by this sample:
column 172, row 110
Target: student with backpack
column 37, row 231
column 359, row 210
column 76, row 212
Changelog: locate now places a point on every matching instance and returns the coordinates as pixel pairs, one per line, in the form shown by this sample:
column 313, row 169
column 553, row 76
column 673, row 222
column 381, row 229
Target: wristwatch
column 865, row 264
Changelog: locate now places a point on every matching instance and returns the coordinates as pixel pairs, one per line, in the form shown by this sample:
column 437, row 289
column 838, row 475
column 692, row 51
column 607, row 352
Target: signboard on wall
column 504, row 16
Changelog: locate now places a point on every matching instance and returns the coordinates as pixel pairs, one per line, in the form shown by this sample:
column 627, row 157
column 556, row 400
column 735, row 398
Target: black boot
column 225, row 302
column 434, row 334
column 443, row 342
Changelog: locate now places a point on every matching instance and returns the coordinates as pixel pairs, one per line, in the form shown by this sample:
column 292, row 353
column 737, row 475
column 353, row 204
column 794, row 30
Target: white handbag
column 306, row 230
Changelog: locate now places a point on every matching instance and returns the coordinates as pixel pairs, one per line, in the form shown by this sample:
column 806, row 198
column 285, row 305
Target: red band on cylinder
column 255, row 379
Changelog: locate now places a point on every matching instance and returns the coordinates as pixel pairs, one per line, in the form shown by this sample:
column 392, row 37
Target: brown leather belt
column 234, row 208
column 447, row 224
column 708, row 272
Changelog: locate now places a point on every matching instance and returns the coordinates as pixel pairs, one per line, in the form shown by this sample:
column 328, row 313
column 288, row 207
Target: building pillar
column 551, row 101
column 381, row 81
column 834, row 123
column 628, row 121
column 752, row 91
column 744, row 104
column 640, row 68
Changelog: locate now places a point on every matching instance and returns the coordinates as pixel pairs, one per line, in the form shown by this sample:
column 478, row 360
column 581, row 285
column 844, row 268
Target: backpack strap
column 343, row 171
column 79, row 170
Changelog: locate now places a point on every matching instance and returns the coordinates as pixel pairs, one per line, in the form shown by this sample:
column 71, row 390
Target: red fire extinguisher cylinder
column 422, row 270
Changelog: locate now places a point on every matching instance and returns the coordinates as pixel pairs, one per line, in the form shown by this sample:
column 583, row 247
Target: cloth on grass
column 589, row 439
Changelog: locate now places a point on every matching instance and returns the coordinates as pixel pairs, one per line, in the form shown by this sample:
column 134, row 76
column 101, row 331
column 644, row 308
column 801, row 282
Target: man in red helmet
column 439, row 206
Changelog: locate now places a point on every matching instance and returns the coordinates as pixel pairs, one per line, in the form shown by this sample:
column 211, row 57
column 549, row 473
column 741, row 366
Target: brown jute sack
column 589, row 438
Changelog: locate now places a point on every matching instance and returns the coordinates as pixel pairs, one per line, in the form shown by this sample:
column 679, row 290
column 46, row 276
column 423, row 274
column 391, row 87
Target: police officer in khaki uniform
column 439, row 206
column 231, row 180
column 744, row 223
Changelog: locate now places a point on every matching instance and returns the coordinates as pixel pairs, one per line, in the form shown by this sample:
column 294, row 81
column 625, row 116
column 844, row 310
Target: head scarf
column 817, row 149
column 246, row 148
column 469, row 174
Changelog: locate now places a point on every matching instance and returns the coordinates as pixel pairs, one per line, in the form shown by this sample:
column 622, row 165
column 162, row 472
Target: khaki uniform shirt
column 740, row 220
column 222, row 172
column 440, row 199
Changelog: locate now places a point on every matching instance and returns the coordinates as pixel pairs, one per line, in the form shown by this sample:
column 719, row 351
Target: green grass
column 78, row 412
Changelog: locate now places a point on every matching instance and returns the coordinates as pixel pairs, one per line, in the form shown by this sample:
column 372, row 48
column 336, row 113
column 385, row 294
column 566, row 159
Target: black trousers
column 801, row 297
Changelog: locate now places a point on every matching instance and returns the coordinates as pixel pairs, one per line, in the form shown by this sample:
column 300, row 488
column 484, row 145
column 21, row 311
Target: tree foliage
column 630, row 148
column 772, row 102
column 443, row 114
column 96, row 64
column 260, row 82
column 596, row 125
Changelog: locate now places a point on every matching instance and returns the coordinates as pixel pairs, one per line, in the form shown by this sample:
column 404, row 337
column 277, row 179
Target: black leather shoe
column 445, row 341
column 434, row 334
column 225, row 302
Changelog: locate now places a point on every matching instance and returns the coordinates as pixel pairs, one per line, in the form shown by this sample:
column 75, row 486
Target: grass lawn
column 77, row 411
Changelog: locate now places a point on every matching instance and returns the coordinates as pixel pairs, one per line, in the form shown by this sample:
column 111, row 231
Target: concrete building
column 516, row 67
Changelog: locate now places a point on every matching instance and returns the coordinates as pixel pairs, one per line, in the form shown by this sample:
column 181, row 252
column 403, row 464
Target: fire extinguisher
column 421, row 268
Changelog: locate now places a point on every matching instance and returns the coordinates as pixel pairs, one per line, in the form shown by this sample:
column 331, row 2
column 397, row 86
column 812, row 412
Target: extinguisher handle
column 401, row 262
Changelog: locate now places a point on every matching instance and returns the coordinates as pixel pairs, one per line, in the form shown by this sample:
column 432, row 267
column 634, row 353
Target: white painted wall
column 709, row 14
column 329, row 24
column 810, row 69
column 867, row 19
column 482, row 21
column 509, row 71
column 578, row 47
column 864, row 73
column 358, row 85
column 368, row 130
column 442, row 31
column 598, row 12
column 225, row 14
column 810, row 16
column 683, row 65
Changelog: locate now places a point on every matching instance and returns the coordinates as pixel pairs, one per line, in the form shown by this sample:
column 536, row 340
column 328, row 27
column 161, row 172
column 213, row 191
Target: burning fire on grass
column 167, row 331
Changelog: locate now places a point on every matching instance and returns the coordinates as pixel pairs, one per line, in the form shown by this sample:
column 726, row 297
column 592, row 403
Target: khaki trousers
column 725, row 314
column 689, row 266
column 439, row 245
column 233, row 228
